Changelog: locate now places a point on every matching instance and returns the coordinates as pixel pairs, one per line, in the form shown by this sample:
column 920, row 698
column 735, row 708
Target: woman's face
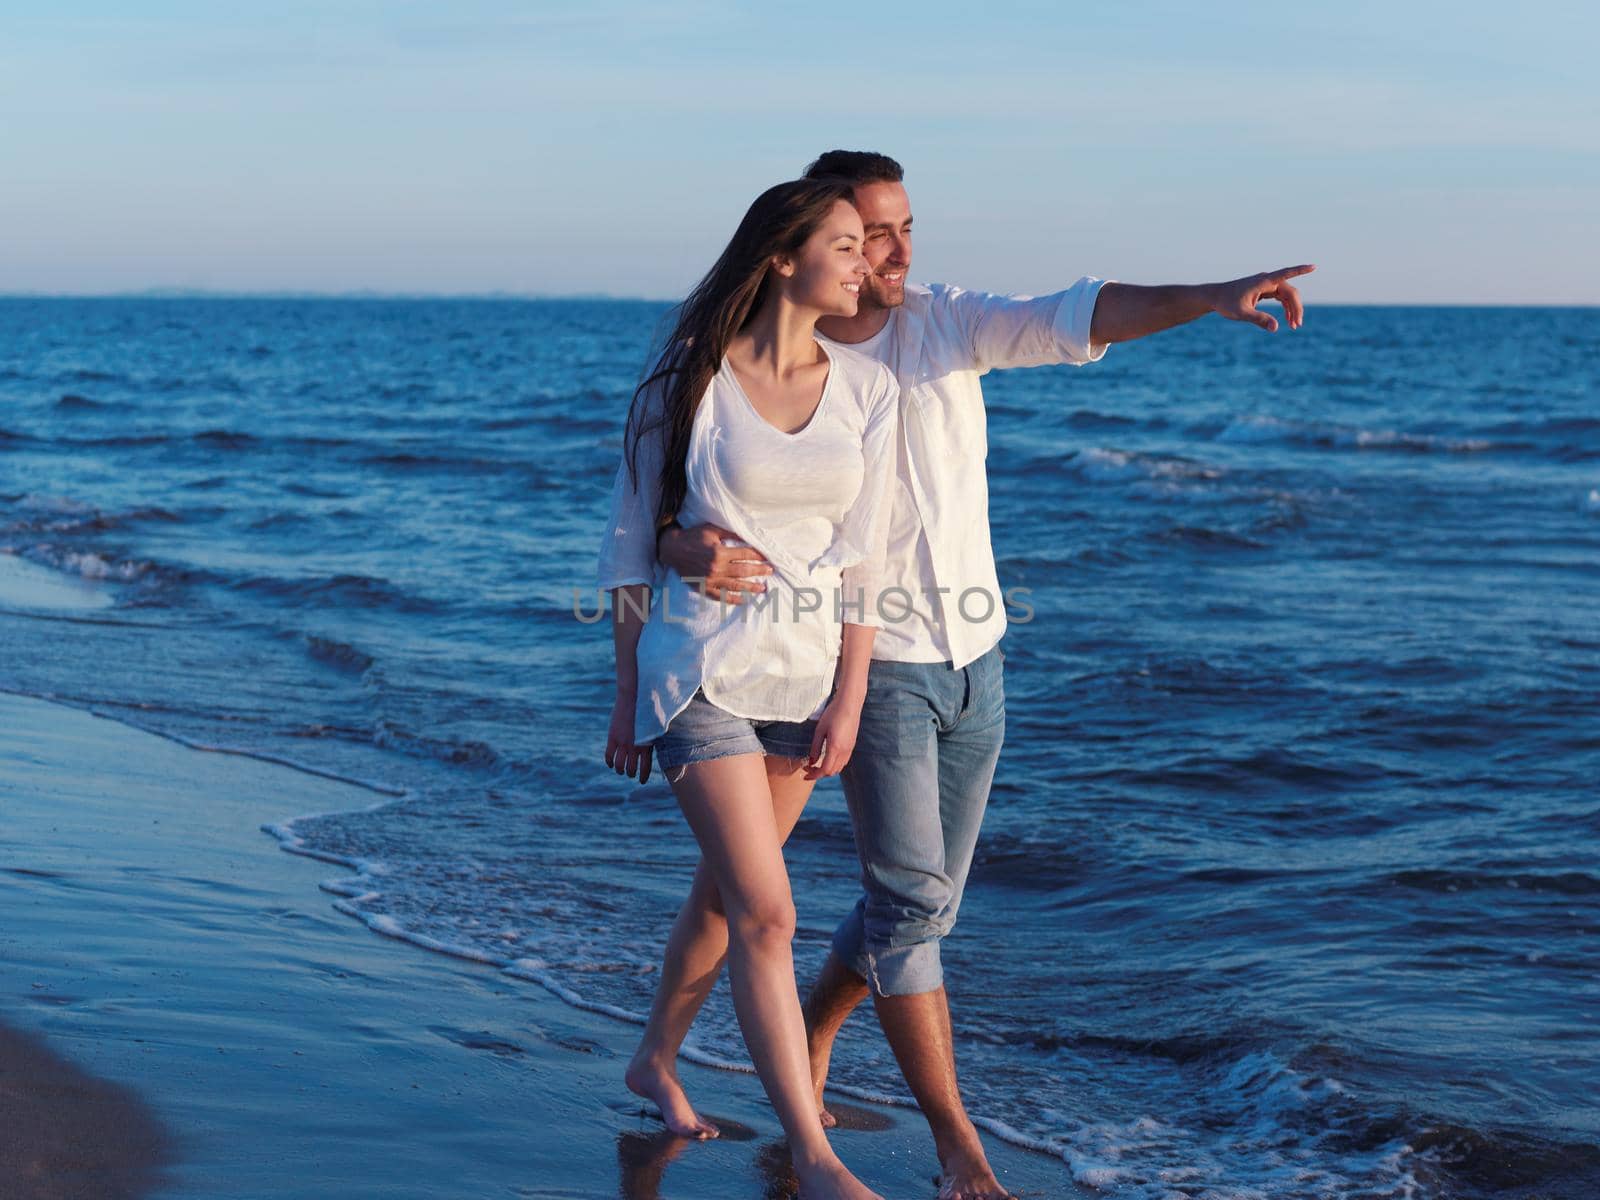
column 829, row 267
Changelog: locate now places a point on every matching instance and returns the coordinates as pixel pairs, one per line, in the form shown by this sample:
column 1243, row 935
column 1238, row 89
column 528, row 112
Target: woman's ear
column 783, row 265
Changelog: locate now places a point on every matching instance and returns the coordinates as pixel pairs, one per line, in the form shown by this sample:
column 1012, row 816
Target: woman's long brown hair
column 721, row 304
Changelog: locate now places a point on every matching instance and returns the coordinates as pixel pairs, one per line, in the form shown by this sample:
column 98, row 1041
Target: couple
column 803, row 585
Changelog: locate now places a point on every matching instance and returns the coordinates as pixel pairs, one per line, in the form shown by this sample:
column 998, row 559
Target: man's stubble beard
column 873, row 297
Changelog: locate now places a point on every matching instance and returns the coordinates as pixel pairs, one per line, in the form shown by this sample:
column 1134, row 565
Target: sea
column 1290, row 883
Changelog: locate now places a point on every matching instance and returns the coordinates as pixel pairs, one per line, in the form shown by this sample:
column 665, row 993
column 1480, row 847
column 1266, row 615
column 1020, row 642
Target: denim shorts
column 702, row 731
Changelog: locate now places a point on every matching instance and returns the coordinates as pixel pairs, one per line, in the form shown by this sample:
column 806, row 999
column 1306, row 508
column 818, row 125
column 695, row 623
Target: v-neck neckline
column 811, row 421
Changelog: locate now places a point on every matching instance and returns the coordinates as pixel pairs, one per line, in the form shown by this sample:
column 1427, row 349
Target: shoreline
column 194, row 969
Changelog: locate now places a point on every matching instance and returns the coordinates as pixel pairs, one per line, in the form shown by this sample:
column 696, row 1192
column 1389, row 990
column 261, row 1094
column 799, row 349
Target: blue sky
column 1424, row 152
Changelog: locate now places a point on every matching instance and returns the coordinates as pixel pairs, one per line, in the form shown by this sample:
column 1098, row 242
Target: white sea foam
column 37, row 502
column 1102, row 464
column 25, row 584
column 1260, row 427
column 1254, row 1118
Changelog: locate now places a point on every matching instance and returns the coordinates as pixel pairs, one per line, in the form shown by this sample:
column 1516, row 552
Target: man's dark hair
column 856, row 167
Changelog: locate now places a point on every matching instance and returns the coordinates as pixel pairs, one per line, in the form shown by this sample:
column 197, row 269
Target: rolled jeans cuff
column 906, row 970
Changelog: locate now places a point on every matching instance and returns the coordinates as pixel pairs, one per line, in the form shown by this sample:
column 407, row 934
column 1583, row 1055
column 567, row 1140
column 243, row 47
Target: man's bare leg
column 833, row 997
column 918, row 1030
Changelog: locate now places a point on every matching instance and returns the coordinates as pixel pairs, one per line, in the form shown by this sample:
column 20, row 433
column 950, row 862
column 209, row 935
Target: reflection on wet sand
column 643, row 1156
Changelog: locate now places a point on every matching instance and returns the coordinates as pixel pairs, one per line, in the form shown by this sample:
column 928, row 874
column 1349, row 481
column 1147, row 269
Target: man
column 934, row 718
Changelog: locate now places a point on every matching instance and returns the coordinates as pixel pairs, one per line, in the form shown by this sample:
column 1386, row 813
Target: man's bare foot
column 653, row 1081
column 966, row 1176
column 831, row 1180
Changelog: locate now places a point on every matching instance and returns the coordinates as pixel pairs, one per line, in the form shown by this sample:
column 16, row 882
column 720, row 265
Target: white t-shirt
column 815, row 502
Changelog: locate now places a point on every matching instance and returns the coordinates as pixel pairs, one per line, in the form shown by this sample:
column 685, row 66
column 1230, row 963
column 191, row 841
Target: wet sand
column 64, row 1133
column 185, row 1014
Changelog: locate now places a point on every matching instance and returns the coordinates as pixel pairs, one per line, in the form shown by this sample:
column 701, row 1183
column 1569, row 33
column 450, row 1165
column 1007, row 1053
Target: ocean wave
column 1549, row 427
column 357, row 591
column 1265, row 770
column 1105, row 465
column 337, row 654
column 1262, row 428
column 72, row 402
column 210, row 439
column 1449, row 880
column 1284, row 1116
column 436, row 462
column 59, row 515
column 1248, row 1127
column 226, row 439
column 1181, row 1048
column 460, row 753
column 577, row 422
column 281, row 520
column 46, row 502
column 1086, row 418
column 1286, row 1128
column 1028, row 864
column 86, row 564
column 1507, row 1163
column 120, row 440
column 1206, row 538
column 296, row 488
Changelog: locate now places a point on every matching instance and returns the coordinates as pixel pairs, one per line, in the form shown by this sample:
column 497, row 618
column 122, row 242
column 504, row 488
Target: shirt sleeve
column 628, row 549
column 1028, row 331
column 867, row 526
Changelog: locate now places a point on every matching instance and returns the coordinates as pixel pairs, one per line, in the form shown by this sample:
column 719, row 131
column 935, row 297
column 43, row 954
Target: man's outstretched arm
column 1125, row 311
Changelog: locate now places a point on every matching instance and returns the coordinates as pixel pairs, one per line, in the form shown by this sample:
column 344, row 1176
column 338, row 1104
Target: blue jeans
column 917, row 786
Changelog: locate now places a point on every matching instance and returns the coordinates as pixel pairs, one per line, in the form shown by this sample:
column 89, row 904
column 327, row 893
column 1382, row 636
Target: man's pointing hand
column 1237, row 299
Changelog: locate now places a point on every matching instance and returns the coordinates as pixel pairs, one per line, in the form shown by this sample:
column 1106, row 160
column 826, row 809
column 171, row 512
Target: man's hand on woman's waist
column 700, row 553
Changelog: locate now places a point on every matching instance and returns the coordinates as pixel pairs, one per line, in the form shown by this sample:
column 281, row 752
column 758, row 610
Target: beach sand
column 185, row 1014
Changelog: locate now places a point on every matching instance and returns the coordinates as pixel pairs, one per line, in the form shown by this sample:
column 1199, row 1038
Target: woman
column 748, row 422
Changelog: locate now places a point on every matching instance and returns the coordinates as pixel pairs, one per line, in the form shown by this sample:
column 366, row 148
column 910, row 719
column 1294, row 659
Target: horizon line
column 494, row 294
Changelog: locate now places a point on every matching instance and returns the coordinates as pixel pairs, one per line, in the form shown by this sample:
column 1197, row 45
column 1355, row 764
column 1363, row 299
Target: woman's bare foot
column 831, row 1180
column 827, row 1118
column 653, row 1081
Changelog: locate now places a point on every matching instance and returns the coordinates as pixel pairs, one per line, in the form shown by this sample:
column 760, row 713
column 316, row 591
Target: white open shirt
column 815, row 502
column 938, row 343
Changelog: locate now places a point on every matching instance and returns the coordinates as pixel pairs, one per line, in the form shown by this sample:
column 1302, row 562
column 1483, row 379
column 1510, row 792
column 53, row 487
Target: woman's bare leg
column 696, row 950
column 728, row 804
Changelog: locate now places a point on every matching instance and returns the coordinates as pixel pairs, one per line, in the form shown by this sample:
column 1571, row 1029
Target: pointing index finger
column 1291, row 272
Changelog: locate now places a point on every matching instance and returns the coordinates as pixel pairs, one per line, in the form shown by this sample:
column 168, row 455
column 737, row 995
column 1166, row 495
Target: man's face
column 886, row 217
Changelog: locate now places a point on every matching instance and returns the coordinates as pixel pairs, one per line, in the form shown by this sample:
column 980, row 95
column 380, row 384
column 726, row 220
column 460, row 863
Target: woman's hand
column 622, row 756
column 835, row 739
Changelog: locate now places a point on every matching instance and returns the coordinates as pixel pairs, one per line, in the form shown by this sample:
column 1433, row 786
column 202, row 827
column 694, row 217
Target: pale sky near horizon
column 1417, row 152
